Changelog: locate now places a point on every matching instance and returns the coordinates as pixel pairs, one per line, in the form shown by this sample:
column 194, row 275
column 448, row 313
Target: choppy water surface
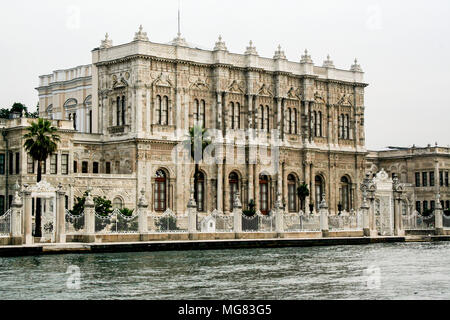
column 381, row 271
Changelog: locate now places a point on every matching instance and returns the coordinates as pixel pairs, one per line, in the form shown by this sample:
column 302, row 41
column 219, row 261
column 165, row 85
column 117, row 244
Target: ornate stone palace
column 121, row 117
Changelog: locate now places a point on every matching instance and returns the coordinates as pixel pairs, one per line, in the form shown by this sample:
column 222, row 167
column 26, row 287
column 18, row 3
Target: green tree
column 4, row 113
column 251, row 211
column 167, row 223
column 41, row 140
column 103, row 207
column 199, row 141
column 303, row 193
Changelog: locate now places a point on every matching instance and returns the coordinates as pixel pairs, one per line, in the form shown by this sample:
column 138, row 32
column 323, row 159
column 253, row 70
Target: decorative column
column 368, row 188
column 279, row 215
column 237, row 212
column 307, row 173
column 323, row 207
column 398, row 190
column 438, row 216
column 220, row 187
column 16, row 220
column 60, row 215
column 143, row 214
column 27, row 236
column 89, row 218
column 365, row 215
column 192, row 213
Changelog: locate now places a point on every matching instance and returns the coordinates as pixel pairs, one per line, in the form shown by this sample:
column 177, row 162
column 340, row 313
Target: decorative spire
column 306, row 58
column 140, row 35
column 220, row 45
column 356, row 67
column 328, row 63
column 107, row 43
column 251, row 50
column 279, row 54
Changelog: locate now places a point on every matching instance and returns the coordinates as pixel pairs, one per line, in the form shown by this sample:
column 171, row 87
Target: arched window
column 267, row 118
column 118, row 108
column 237, row 116
column 117, row 203
column 341, row 126
column 345, row 194
column 261, row 117
column 165, row 111
column 295, row 121
column 292, row 193
column 319, row 184
column 160, row 194
column 264, row 194
column 158, row 109
column 200, row 192
column 233, row 181
column 124, row 113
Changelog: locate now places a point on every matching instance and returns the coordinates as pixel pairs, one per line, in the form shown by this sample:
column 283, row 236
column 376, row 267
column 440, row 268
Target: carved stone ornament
column 140, row 35
column 264, row 91
column 236, row 86
column 356, row 67
column 279, row 54
column 328, row 63
column 220, row 45
column 107, row 43
column 306, row 58
column 251, row 50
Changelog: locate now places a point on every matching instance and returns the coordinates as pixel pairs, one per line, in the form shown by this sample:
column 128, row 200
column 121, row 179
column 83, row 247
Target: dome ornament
column 107, row 43
column 356, row 67
column 220, row 45
column 140, row 35
column 328, row 63
column 251, row 50
column 306, row 58
column 279, row 54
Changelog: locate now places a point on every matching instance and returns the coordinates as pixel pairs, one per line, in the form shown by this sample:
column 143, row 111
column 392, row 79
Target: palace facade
column 121, row 117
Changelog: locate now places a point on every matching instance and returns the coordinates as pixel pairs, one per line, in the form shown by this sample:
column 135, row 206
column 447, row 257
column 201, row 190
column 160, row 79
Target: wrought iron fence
column 346, row 221
column 301, row 222
column 116, row 222
column 258, row 222
column 74, row 224
column 216, row 222
column 416, row 221
column 168, row 222
column 5, row 224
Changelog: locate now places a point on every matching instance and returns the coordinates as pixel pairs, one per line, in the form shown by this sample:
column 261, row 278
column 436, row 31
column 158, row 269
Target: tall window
column 90, row 121
column 233, row 181
column 292, row 193
column 431, row 179
column 108, row 167
column 289, row 120
column 17, row 162
column 200, row 192
column 441, row 178
column 347, row 127
column 446, row 178
column 232, row 118
column 124, row 112
column 295, row 121
column 425, row 206
column 75, row 167
column 54, row 164
column 95, row 168
column 199, row 113
column 264, row 194
column 417, row 179
column 432, row 205
column 319, row 124
column 345, row 194
column 118, row 111
column 319, row 184
column 65, row 164
column 2, row 163
column 84, row 167
column 424, row 179
column 11, row 163
column 2, row 205
column 267, row 118
column 447, row 204
column 160, row 191
column 314, row 123
column 165, row 111
column 418, row 209
column 341, row 126
column 44, row 167
column 30, row 165
column 261, row 117
column 236, row 115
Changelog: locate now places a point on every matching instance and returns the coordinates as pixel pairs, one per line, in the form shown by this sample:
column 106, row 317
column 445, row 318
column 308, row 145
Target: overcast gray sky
column 403, row 47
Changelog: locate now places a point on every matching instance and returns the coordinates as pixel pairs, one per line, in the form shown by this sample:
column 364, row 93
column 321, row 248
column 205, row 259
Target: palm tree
column 199, row 141
column 303, row 193
column 40, row 142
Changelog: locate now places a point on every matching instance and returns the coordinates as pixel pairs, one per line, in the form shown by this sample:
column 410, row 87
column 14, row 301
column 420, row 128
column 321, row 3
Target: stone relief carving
column 236, row 86
column 294, row 93
column 264, row 91
column 163, row 80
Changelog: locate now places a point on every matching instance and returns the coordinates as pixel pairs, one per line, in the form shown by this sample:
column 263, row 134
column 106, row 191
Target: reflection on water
column 406, row 271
